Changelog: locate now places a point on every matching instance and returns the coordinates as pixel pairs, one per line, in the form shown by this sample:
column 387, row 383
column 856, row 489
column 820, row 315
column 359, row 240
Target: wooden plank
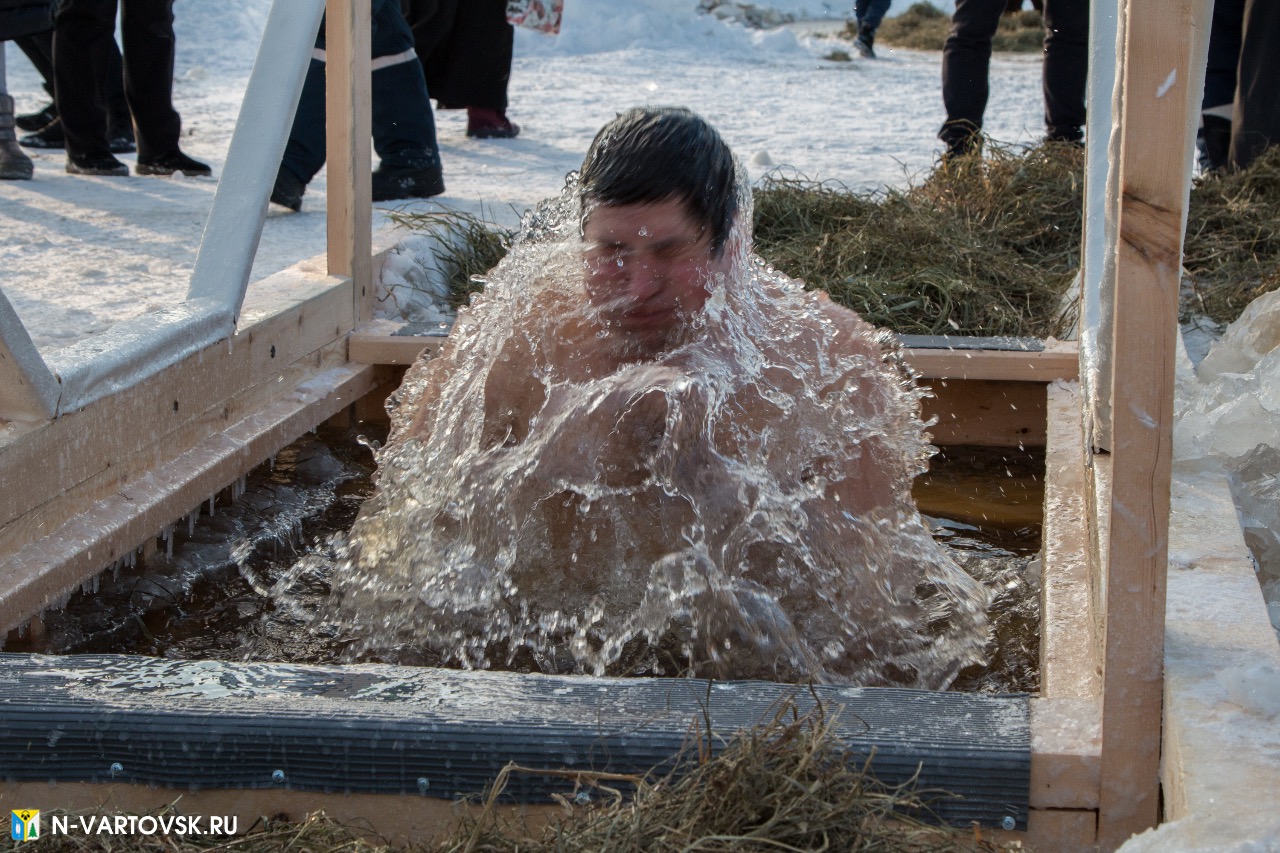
column 371, row 348
column 1066, row 753
column 379, row 345
column 1059, row 360
column 118, row 474
column 986, row 412
column 1070, row 665
column 37, row 573
column 87, row 444
column 1061, row 830
column 1159, row 83
column 347, row 104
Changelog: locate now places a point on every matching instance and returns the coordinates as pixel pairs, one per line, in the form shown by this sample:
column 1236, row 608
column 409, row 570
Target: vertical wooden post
column 1162, row 75
column 347, row 107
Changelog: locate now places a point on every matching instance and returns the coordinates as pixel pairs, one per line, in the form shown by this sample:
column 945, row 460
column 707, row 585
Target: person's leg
column 38, row 48
column 82, row 43
column 966, row 59
column 1214, row 139
column 147, row 28
column 404, row 131
column 431, row 22
column 1256, row 118
column 873, row 14
column 1066, row 67
column 304, row 153
column 870, row 13
column 14, row 165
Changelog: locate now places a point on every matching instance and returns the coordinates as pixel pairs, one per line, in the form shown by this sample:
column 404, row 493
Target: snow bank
column 1228, row 413
column 677, row 26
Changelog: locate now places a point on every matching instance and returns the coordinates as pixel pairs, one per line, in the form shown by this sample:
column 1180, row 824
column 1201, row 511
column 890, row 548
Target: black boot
column 865, row 42
column 394, row 183
column 37, row 119
column 91, row 164
column 175, row 161
column 14, row 165
column 1215, row 147
column 288, row 190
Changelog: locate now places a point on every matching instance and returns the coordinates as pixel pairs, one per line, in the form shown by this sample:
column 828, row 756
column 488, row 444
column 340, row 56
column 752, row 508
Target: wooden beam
column 378, row 343
column 98, row 441
column 987, row 412
column 347, row 111
column 1070, row 663
column 39, row 572
column 62, row 472
column 1058, row 360
column 1159, row 82
column 1066, row 749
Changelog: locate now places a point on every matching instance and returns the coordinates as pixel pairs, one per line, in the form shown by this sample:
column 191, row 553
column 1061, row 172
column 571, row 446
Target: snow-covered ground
column 79, row 254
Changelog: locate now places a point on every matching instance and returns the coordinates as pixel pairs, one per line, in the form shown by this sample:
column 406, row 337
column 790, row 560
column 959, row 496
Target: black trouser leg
column 147, row 28
column 1256, row 118
column 39, row 49
column 1066, row 67
column 83, row 42
column 966, row 59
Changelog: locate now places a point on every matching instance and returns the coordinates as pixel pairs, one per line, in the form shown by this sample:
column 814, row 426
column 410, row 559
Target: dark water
column 207, row 592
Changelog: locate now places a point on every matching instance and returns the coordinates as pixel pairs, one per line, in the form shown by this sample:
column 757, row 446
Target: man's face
column 648, row 267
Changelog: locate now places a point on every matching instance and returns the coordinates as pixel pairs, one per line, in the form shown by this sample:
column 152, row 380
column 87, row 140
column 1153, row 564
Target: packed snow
column 78, row 254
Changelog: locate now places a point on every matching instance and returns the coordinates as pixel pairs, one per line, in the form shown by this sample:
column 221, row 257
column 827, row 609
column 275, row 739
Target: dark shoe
column 1214, row 144
column 288, row 190
column 93, row 165
column 120, row 138
column 52, row 137
column 36, row 120
column 865, row 42
column 391, row 184
column 170, row 163
column 483, row 123
column 14, row 164
column 49, row 137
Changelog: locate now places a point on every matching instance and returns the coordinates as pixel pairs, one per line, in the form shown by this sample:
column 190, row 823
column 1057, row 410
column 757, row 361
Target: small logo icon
column 25, row 825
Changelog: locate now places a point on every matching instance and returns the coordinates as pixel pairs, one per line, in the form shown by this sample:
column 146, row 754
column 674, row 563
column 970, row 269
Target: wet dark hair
column 652, row 154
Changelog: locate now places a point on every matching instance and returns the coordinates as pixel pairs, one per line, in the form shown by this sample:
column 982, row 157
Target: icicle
column 167, row 535
column 191, row 521
column 211, row 498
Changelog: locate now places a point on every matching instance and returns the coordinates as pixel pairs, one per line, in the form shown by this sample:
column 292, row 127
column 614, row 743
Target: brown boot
column 14, row 164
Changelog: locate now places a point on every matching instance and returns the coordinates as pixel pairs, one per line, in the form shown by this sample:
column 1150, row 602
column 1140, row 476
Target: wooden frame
column 1097, row 726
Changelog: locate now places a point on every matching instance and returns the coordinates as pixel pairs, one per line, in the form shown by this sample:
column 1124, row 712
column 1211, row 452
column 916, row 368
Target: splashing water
column 558, row 490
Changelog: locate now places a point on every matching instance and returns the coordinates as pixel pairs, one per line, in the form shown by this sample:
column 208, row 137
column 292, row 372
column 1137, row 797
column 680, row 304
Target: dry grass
column 787, row 786
column 925, row 27
column 981, row 247
column 470, row 246
column 1232, row 251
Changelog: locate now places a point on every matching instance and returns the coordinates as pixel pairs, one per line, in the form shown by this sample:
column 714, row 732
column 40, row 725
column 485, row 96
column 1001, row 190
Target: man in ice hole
column 641, row 422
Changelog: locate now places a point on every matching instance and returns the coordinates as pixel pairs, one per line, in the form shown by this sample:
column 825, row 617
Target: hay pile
column 981, row 247
column 924, row 27
column 1232, row 250
column 786, row 786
